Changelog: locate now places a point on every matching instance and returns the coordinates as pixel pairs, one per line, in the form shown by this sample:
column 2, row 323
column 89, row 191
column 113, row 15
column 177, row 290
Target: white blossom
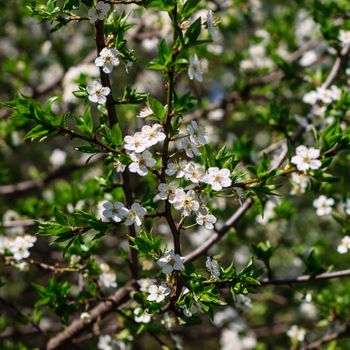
column 20, row 246
column 152, row 134
column 141, row 162
column 158, row 293
column 99, row 12
column 344, row 245
column 299, row 183
column 135, row 143
column 296, row 333
column 105, row 342
column 170, row 262
column 115, row 211
column 210, row 21
column 176, row 168
column 145, row 112
column 58, row 158
column 141, row 316
column 306, row 158
column 168, row 191
column 145, row 283
column 187, row 202
column 108, row 279
column 218, row 178
column 194, row 172
column 135, row 215
column 119, row 166
column 190, row 148
column 107, row 59
column 197, row 68
column 323, row 205
column 85, row 317
column 197, row 134
column 344, row 37
column 97, row 92
column 213, row 267
column 204, row 218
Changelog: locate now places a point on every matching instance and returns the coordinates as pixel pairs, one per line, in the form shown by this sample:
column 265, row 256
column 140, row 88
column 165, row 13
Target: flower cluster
column 117, row 212
column 18, row 246
column 322, row 95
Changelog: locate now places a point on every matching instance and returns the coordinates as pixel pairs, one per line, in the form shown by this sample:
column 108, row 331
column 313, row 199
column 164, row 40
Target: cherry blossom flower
column 108, row 279
column 210, row 22
column 170, row 262
column 99, row 12
column 213, row 267
column 197, row 134
column 190, row 148
column 119, row 166
column 197, row 68
column 168, row 191
column 19, row 246
column 299, row 183
column 344, row 37
column 145, row 112
column 158, row 293
column 187, row 202
column 135, row 143
column 194, row 172
column 141, row 316
column 176, row 168
column 107, row 60
column 218, row 178
column 97, row 92
column 344, row 245
column 141, row 162
column 323, row 205
column 58, row 158
column 145, row 283
column 204, row 218
column 116, row 211
column 152, row 134
column 135, row 215
column 105, row 342
column 306, row 158
column 296, row 333
column 85, row 317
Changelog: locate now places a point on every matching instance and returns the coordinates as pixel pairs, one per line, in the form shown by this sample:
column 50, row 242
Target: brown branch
column 102, row 309
column 31, row 185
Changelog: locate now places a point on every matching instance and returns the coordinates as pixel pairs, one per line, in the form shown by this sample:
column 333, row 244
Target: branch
column 102, row 309
column 31, row 185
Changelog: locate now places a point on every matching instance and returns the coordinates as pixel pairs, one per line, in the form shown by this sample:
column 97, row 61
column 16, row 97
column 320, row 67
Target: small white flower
column 105, row 342
column 141, row 162
column 218, row 178
column 19, row 246
column 152, row 134
column 176, row 168
column 107, row 60
column 145, row 283
column 99, row 12
column 187, row 202
column 196, row 68
column 299, row 183
column 104, row 267
column 297, row 334
column 306, row 158
column 323, row 205
column 347, row 206
column 197, row 134
column 170, row 262
column 211, row 23
column 158, row 293
column 190, row 148
column 141, row 316
column 168, row 191
column 136, row 143
column 108, row 279
column 203, row 217
column 85, row 317
column 58, row 158
column 119, row 166
column 344, row 245
column 145, row 112
column 344, row 37
column 115, row 211
column 135, row 215
column 23, row 266
column 213, row 267
column 194, row 172
column 97, row 92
